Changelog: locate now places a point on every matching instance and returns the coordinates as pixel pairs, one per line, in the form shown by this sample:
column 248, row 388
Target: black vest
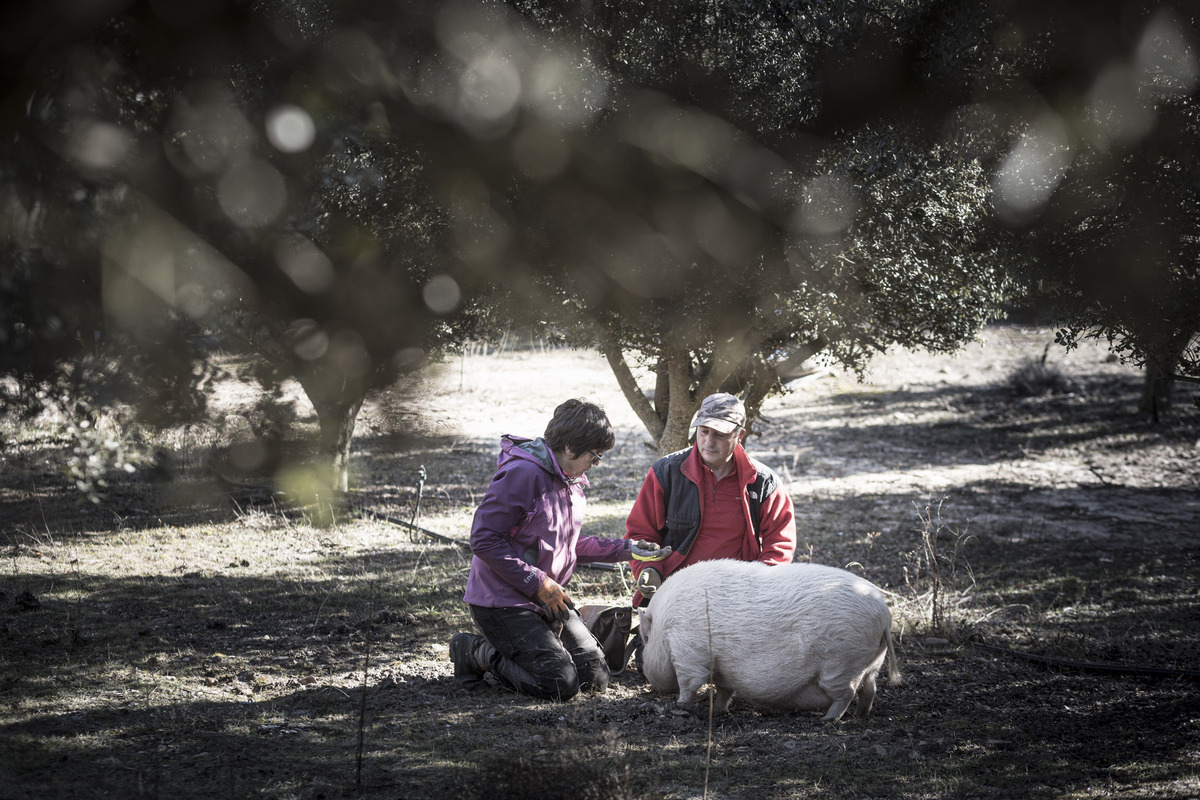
column 682, row 498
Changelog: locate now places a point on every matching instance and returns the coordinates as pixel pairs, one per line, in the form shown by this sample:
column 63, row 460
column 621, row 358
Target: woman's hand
column 555, row 600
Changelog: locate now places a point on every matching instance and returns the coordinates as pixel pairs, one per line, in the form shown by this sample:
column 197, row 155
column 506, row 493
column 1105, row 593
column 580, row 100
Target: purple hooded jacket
column 527, row 528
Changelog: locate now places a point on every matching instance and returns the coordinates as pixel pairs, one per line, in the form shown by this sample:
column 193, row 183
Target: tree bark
column 1156, row 392
column 662, row 390
column 1158, row 383
column 683, row 402
column 756, row 387
column 337, row 421
column 336, row 402
column 737, row 370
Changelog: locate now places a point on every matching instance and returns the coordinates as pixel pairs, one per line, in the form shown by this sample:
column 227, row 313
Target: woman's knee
column 558, row 681
column 594, row 675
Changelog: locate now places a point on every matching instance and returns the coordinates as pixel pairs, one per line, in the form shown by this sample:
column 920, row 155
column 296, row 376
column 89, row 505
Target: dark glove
column 555, row 600
column 643, row 550
column 648, row 582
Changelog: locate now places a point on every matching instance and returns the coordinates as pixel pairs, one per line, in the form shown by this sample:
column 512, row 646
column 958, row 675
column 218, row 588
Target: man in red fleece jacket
column 710, row 501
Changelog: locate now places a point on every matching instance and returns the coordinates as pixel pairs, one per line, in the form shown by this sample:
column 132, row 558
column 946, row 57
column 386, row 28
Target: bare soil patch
column 184, row 640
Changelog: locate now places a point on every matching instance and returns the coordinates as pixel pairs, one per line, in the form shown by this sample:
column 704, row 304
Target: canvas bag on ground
column 611, row 626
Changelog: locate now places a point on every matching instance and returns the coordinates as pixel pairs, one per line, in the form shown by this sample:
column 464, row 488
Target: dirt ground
column 1067, row 524
column 229, row 656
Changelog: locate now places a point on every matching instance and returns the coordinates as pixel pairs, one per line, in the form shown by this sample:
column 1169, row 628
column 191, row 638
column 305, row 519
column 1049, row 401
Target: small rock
column 934, row 644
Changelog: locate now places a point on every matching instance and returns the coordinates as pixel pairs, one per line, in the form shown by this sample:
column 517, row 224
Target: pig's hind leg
column 841, row 692
column 866, row 696
column 722, row 699
column 690, row 681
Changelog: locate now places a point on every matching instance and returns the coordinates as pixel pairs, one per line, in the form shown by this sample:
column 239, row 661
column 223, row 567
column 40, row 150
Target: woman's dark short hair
column 579, row 426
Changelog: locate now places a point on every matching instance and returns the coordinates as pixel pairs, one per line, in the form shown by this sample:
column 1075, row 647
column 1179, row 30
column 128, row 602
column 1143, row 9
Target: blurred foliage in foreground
column 344, row 190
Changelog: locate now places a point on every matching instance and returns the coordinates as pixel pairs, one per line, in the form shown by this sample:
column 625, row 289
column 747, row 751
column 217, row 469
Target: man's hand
column 555, row 600
column 647, row 551
column 648, row 582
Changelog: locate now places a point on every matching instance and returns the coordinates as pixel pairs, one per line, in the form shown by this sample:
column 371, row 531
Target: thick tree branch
column 1183, row 378
column 633, row 394
column 730, row 358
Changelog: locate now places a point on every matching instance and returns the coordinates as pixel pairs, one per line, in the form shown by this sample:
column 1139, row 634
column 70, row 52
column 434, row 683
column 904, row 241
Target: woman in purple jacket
column 525, row 543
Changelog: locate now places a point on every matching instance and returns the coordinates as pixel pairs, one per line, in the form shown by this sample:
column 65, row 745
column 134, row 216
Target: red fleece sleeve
column 778, row 528
column 648, row 515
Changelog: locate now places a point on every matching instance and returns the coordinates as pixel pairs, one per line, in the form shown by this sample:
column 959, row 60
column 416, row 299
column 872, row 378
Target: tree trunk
column 668, row 419
column 337, row 431
column 682, row 406
column 662, row 390
column 1156, row 392
column 336, row 403
column 1158, row 383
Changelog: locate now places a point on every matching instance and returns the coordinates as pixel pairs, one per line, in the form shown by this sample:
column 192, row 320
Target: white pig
column 803, row 637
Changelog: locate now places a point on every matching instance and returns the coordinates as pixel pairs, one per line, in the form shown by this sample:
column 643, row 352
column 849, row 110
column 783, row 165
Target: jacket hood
column 535, row 450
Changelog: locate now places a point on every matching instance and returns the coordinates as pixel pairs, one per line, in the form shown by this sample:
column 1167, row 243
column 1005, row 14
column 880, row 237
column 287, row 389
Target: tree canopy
column 1101, row 190
column 943, row 161
column 700, row 190
column 829, row 202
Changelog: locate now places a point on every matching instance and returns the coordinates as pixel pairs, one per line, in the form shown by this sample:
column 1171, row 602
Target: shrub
column 1035, row 378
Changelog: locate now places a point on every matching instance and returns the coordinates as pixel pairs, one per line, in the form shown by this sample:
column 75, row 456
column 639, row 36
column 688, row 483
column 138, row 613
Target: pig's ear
column 644, row 623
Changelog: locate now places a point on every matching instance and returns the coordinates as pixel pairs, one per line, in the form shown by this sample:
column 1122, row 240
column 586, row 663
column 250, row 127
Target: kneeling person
column 525, row 544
